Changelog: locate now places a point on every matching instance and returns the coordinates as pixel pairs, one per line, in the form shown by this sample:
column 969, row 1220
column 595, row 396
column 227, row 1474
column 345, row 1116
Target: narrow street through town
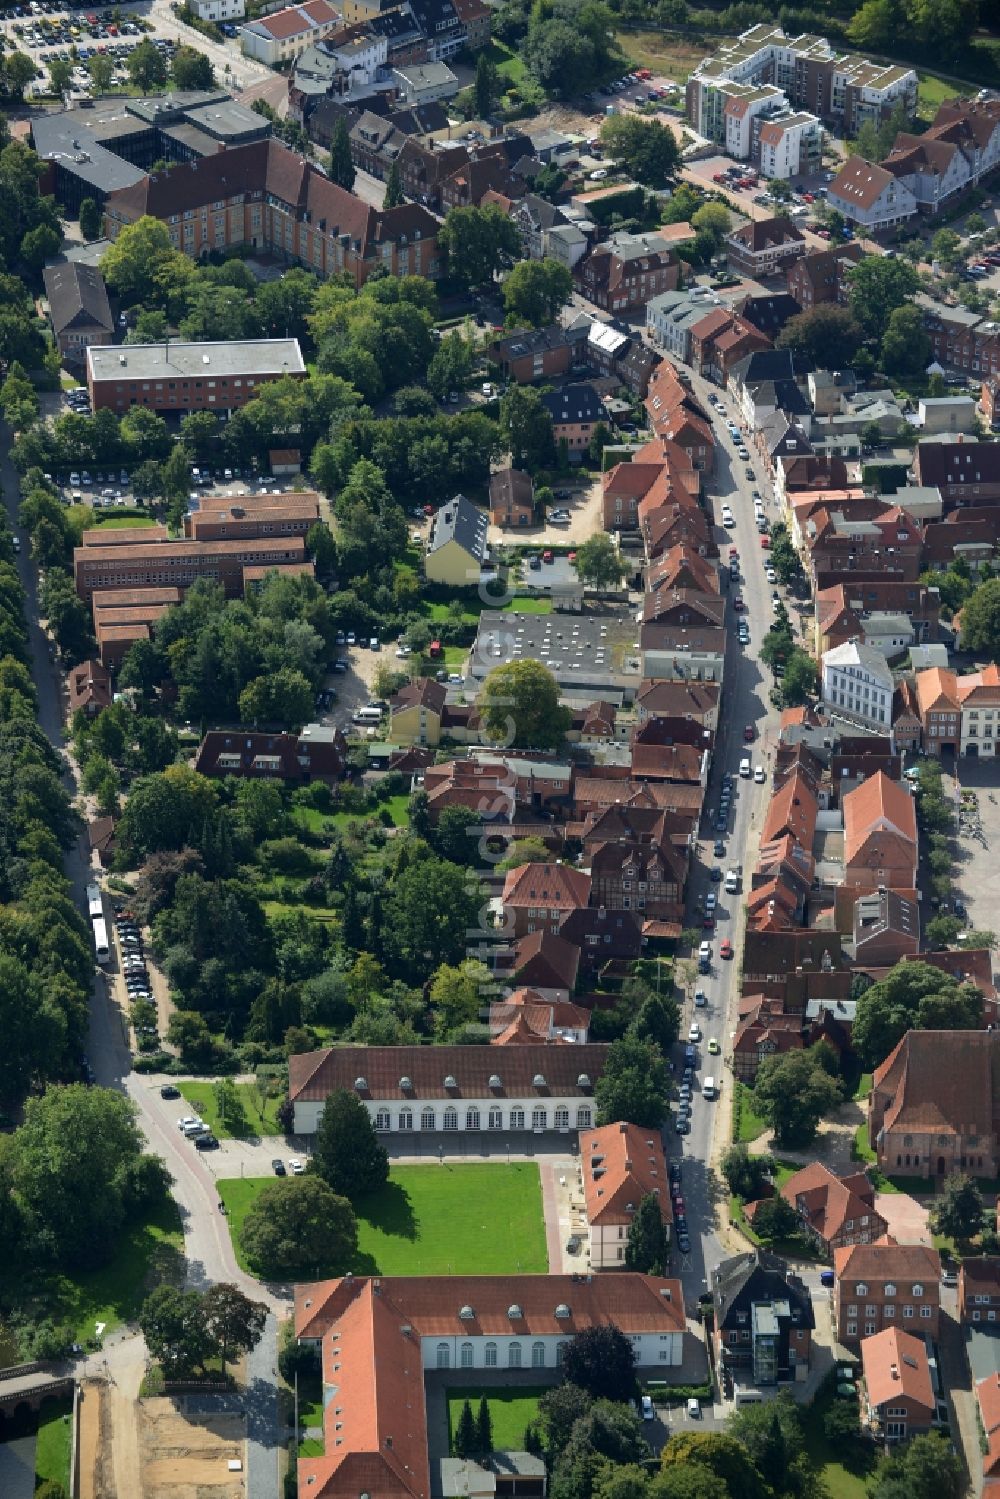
column 207, row 1247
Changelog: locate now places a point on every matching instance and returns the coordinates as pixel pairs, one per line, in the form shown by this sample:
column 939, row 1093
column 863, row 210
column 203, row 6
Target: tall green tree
column 793, row 1092
column 826, row 333
column 465, row 1440
column 342, row 168
column 878, row 285
column 173, row 1324
column 477, row 243
column 484, row 1427
column 347, row 1153
column 647, row 149
column 75, row 1159
column 299, row 1228
column 600, row 563
column 646, row 1249
column 906, row 344
column 90, row 219
column 957, row 1211
column 485, row 87
column 981, row 620
column 912, row 996
column 535, row 291
column 632, row 1089
column 393, row 187
column 519, row 706
column 233, row 1322
column 601, row 1361
column 526, row 426
column 147, row 67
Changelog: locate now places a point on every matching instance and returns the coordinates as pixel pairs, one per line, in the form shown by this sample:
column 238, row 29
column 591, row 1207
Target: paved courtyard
column 905, row 1217
column 977, row 872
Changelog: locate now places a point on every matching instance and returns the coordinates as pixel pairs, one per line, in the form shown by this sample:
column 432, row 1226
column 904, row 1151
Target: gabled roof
column 461, row 521
column 766, row 234
column 942, row 1081
column 765, row 1277
column 556, row 886
column 546, row 961
column 895, row 1367
column 448, row 1073
column 988, row 1395
column 77, row 297
column 886, row 1259
column 877, row 806
column 422, row 692
column 828, row 1201
column 859, row 183
column 622, row 1164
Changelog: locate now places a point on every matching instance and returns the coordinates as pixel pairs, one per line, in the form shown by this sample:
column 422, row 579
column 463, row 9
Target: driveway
column 905, row 1217
column 584, row 506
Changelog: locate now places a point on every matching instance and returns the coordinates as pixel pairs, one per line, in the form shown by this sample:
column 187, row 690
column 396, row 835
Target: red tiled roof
column 556, row 886
column 895, row 1365
column 314, row 1075
column 988, row 1395
column 622, row 1164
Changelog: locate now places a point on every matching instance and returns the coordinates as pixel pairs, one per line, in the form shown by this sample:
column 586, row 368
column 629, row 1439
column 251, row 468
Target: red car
column 708, row 923
column 765, row 540
column 726, row 949
column 734, row 554
column 738, row 604
column 749, row 733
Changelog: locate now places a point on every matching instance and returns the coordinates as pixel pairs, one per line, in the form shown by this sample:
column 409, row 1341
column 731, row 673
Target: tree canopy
column 519, row 705
column 912, row 996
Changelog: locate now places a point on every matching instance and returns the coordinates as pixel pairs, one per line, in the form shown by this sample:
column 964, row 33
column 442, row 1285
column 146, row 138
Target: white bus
column 95, row 905
column 101, row 940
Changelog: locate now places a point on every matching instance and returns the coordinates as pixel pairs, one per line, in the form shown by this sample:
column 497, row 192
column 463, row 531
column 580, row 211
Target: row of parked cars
column 135, row 976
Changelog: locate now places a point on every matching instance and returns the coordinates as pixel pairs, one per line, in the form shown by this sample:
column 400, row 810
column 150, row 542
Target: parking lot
column 79, row 32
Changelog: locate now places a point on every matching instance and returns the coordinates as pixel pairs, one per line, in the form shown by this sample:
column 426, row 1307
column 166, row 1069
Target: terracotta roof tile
column 314, row 1075
column 895, row 1364
column 621, row 1165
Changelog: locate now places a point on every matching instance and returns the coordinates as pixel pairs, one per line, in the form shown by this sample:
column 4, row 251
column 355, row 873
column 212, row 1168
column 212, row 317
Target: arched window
column 496, row 1118
column 517, row 1119
column 562, row 1118
column 406, row 1118
column 583, row 1116
column 514, row 1356
column 561, row 1352
column 466, row 1358
column 472, row 1118
column 427, row 1119
column 451, row 1118
column 490, row 1355
column 382, row 1119
column 442, row 1356
column 539, row 1118
column 538, row 1355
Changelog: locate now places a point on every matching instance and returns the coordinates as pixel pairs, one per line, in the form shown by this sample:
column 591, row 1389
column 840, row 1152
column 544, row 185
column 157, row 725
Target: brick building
column 886, row 1284
column 265, row 197
column 177, row 564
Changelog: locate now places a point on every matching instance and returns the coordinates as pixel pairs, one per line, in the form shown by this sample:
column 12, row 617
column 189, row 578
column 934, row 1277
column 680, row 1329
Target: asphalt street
column 207, row 1247
column 744, row 701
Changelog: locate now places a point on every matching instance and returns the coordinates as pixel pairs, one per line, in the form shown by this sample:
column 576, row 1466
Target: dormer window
column 450, row 1082
column 538, row 1081
column 562, row 1311
column 361, row 1085
column 495, row 1081
column 466, row 1314
column 514, row 1312
column 406, row 1084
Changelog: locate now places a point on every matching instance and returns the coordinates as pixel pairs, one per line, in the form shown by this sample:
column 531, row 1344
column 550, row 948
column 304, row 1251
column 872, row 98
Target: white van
column 708, row 1088
column 732, row 881
column 745, row 767
column 367, row 716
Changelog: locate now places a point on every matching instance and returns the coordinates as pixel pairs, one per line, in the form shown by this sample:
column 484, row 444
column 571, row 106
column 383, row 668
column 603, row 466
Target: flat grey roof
column 579, row 651
column 67, row 141
column 258, row 356
column 226, row 120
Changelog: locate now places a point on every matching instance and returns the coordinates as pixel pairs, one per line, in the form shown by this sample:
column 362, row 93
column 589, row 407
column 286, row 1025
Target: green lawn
column 310, row 1400
column 201, row 1097
column 523, row 603
column 52, row 1448
column 932, row 92
column 434, row 1220
column 506, row 62
column 121, row 519
column 747, row 1125
column 843, row 1470
column 510, row 1413
column 149, row 1254
column 436, row 614
column 671, row 56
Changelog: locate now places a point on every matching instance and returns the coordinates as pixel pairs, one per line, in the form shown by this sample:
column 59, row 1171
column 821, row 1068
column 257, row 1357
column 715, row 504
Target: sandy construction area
column 186, row 1457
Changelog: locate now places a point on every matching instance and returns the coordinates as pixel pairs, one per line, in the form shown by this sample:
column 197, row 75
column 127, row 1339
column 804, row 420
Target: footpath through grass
column 510, row 1412
column 433, row 1220
column 52, row 1448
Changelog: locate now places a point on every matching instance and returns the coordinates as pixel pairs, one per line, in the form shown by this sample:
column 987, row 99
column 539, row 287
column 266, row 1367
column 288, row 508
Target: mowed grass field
column 433, row 1220
column 251, row 1122
column 510, row 1412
